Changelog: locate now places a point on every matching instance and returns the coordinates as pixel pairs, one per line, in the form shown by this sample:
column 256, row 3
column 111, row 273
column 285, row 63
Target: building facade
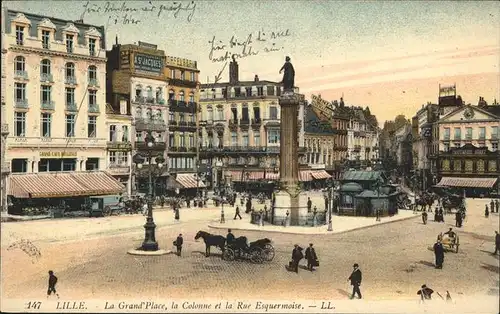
column 468, row 157
column 54, row 95
column 119, row 145
column 136, row 79
column 5, row 167
column 362, row 138
column 403, row 145
column 183, row 98
column 240, row 128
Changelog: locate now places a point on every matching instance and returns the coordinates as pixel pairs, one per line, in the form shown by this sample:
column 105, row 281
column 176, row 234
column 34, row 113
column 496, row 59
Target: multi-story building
column 136, row 77
column 5, row 168
column 240, row 128
column 403, row 147
column 468, row 157
column 119, row 144
column 55, row 103
column 325, row 138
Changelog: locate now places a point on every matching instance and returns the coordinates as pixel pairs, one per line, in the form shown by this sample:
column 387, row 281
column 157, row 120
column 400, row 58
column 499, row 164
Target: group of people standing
column 297, row 256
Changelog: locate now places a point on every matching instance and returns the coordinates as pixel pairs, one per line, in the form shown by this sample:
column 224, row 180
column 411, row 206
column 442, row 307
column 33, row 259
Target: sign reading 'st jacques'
column 148, row 63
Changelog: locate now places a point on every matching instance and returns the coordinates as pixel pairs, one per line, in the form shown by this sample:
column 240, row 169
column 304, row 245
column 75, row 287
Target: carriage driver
column 229, row 237
column 451, row 234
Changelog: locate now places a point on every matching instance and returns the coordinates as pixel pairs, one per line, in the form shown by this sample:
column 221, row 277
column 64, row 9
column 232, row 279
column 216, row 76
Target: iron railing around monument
column 321, row 218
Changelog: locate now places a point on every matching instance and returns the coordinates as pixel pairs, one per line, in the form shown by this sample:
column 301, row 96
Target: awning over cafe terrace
column 482, row 183
column 188, row 181
column 320, row 174
column 63, row 184
column 240, row 176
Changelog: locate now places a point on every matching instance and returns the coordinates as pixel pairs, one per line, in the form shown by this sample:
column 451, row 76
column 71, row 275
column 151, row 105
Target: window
column 237, row 91
column 70, row 70
column 159, row 94
column 112, row 158
column 245, row 139
column 446, row 135
column 191, row 140
column 92, row 164
column 112, row 133
column 256, row 113
column 149, row 92
column 191, row 98
column 494, row 147
column 183, row 75
column 234, row 138
column 20, row 91
column 149, row 113
column 92, row 73
column 468, row 134
column 244, row 113
column 270, row 90
column 46, row 124
column 256, row 139
column 138, row 91
column 171, row 116
column 494, row 132
column 20, row 35
column 159, row 115
column 45, row 94
column 171, row 139
column 19, row 165
column 45, row 39
column 273, row 113
column 191, row 118
column 69, row 43
column 20, row 124
column 92, row 127
column 124, row 133
column 182, row 138
column 45, row 67
column 220, row 113
column 138, row 136
column 19, row 64
column 172, row 74
column 181, row 96
column 171, row 95
column 482, row 133
column 70, row 96
column 92, row 98
column 210, row 114
column 273, row 136
column 458, row 134
column 446, row 147
column 260, row 91
column 192, row 77
column 92, row 43
column 182, row 117
column 70, row 125
column 248, row 91
column 122, row 158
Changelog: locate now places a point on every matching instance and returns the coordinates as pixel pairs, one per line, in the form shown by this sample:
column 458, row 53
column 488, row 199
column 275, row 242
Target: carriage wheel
column 268, row 252
column 107, row 211
column 228, row 255
column 257, row 256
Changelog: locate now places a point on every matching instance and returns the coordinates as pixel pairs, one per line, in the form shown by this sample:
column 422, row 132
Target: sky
column 391, row 56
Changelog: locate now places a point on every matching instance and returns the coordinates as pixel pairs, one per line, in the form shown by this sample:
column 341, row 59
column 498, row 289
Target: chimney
column 233, row 71
column 256, row 79
column 341, row 101
column 116, row 40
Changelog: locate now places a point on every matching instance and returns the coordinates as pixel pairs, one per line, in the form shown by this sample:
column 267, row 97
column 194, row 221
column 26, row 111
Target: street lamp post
column 224, row 191
column 149, row 243
column 331, row 185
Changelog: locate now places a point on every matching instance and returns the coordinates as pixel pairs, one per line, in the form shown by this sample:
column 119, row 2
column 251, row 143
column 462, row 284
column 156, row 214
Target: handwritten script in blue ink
column 253, row 44
column 129, row 13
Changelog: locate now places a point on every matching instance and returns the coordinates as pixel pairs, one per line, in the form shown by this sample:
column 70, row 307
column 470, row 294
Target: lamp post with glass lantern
column 149, row 243
column 331, row 185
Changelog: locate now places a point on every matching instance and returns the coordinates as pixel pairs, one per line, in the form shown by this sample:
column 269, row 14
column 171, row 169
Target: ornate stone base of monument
column 295, row 204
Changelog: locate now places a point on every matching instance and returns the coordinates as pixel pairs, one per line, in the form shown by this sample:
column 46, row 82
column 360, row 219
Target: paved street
column 394, row 258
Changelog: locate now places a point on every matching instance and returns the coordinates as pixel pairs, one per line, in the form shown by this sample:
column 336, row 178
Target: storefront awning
column 63, row 184
column 188, row 181
column 320, row 174
column 239, row 176
column 482, row 183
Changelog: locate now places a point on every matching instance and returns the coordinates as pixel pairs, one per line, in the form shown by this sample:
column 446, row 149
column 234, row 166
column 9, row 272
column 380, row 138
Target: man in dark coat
column 296, row 257
column 237, row 214
column 178, row 243
column 497, row 204
column 230, row 237
column 249, row 206
column 497, row 242
column 440, row 214
column 311, row 257
column 492, row 206
column 425, row 293
column 309, row 204
column 439, row 254
column 486, row 212
column 52, row 284
column 355, row 279
column 436, row 215
column 458, row 219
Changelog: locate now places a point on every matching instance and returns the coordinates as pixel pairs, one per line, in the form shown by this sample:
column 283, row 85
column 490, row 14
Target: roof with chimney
column 314, row 124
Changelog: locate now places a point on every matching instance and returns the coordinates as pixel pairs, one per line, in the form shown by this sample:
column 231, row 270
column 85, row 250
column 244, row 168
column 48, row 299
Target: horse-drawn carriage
column 450, row 242
column 258, row 251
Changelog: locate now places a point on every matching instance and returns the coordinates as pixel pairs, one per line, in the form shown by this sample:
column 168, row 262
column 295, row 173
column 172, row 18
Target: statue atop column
column 288, row 75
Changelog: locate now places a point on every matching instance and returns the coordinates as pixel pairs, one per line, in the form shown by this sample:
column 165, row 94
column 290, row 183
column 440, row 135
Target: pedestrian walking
column 178, row 244
column 439, row 254
column 312, row 258
column 458, row 219
column 355, row 279
column 486, row 212
column 497, row 242
column 492, row 206
column 377, row 215
column 436, row 215
column 237, row 213
column 425, row 293
column 441, row 216
column 309, row 204
column 52, row 284
column 497, row 204
column 296, row 257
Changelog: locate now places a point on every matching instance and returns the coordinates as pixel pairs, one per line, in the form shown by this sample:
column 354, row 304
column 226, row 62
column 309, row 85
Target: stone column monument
column 290, row 198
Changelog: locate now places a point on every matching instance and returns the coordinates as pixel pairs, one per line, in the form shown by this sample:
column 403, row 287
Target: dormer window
column 45, row 39
column 20, row 35
column 92, row 44
column 69, row 43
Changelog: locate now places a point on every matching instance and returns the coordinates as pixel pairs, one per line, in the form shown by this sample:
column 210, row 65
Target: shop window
column 480, row 165
column 92, row 164
column 492, row 166
column 19, row 165
column 468, row 165
column 457, row 165
column 445, row 165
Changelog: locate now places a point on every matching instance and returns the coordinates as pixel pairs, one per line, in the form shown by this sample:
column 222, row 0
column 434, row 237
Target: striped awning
column 270, row 175
column 320, row 174
column 484, row 183
column 63, row 184
column 304, row 176
column 188, row 181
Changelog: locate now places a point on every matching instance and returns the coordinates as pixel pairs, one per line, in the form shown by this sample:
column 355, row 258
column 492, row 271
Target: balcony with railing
column 494, row 137
column 157, row 125
column 156, row 146
column 150, row 100
column 118, row 146
column 182, row 83
column 47, row 105
column 46, row 78
column 244, row 122
column 21, row 75
column 182, row 149
column 117, row 169
column 233, row 123
column 70, row 80
column 272, row 121
column 179, row 170
column 94, row 108
column 93, row 82
column 71, row 107
column 357, row 148
column 182, row 106
column 257, row 122
column 22, row 103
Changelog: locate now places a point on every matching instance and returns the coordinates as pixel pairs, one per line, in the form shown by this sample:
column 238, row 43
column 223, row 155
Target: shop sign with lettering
column 119, row 146
column 58, row 154
column 322, row 105
column 148, row 63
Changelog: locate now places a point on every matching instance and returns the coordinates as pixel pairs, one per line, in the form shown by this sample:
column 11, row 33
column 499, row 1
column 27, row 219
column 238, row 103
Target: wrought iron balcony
column 22, row 103
column 172, row 122
column 93, row 82
column 182, row 106
column 182, row 82
column 183, row 123
column 119, row 146
column 94, row 108
column 156, row 146
column 272, row 121
column 233, row 122
column 244, row 121
column 47, row 105
column 161, row 101
column 157, row 125
column 192, row 124
column 150, row 100
column 71, row 107
column 21, row 75
column 46, row 78
column 70, row 80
